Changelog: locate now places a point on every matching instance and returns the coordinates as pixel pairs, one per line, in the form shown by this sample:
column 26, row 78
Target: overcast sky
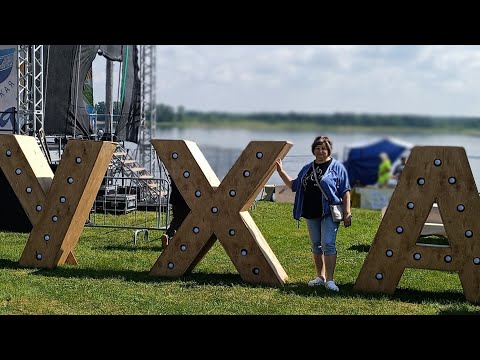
column 438, row 80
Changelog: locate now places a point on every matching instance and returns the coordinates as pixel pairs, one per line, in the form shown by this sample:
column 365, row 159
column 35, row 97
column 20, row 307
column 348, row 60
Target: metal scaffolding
column 30, row 119
column 30, row 101
column 147, row 155
column 30, row 90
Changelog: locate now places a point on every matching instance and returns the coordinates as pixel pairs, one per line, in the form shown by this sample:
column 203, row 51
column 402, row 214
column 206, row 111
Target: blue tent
column 362, row 161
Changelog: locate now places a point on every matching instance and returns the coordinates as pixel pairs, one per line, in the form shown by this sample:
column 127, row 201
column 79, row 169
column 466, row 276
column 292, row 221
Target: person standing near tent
column 312, row 203
column 399, row 168
column 384, row 169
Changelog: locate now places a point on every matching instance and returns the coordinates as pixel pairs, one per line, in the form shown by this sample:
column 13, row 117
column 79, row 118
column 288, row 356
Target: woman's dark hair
column 322, row 140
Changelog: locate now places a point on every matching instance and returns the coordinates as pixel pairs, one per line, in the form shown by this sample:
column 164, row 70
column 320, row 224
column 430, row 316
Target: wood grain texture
column 220, row 210
column 57, row 224
column 432, row 174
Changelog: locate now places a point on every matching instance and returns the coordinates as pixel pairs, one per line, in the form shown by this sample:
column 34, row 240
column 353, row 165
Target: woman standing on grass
column 310, row 203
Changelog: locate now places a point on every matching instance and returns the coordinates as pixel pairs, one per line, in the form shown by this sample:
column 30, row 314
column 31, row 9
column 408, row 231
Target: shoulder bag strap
column 316, row 180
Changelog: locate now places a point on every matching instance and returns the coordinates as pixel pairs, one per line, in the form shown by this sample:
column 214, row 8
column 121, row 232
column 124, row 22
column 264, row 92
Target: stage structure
column 53, row 93
column 69, row 98
column 220, row 210
column 433, row 174
column 47, row 93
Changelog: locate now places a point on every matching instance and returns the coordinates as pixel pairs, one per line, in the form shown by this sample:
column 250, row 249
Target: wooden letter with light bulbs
column 57, row 206
column 220, row 210
column 432, row 174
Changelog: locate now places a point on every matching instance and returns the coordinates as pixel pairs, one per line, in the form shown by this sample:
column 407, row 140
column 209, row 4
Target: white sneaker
column 330, row 285
column 316, row 281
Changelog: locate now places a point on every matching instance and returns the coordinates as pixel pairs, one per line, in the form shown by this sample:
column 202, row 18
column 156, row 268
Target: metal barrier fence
column 126, row 203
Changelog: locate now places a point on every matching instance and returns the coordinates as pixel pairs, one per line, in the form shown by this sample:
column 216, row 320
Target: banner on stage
column 8, row 87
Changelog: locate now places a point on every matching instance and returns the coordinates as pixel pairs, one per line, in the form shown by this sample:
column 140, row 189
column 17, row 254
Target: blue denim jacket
column 334, row 184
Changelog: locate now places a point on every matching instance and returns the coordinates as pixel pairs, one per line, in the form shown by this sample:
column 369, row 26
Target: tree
column 102, row 113
column 180, row 112
column 165, row 113
column 100, row 110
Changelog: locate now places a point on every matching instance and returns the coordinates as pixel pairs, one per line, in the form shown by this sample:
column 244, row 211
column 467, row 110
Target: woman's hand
column 279, row 165
column 285, row 177
column 347, row 220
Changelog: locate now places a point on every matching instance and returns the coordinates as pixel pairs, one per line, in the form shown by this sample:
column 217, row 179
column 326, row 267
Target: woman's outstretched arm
column 283, row 174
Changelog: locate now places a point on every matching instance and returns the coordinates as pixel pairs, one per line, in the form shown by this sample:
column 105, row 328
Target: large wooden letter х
column 440, row 174
column 56, row 206
column 220, row 210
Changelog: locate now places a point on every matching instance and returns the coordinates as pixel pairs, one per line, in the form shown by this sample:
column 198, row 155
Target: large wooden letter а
column 440, row 174
column 57, row 206
column 220, row 211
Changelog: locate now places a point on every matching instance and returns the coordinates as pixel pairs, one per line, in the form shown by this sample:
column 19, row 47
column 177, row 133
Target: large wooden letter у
column 56, row 206
column 440, row 174
column 220, row 211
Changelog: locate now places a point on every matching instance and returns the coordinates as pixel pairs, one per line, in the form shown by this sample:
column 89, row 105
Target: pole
column 109, row 98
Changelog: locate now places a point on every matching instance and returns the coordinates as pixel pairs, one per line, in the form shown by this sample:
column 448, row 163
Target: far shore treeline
column 180, row 117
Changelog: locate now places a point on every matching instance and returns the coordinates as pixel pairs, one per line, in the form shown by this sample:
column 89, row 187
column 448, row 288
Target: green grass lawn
column 112, row 277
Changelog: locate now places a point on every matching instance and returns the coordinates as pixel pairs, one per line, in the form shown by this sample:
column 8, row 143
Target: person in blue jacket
column 312, row 204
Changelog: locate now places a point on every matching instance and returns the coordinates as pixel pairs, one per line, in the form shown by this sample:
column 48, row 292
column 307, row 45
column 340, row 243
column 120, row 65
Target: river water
column 222, row 147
